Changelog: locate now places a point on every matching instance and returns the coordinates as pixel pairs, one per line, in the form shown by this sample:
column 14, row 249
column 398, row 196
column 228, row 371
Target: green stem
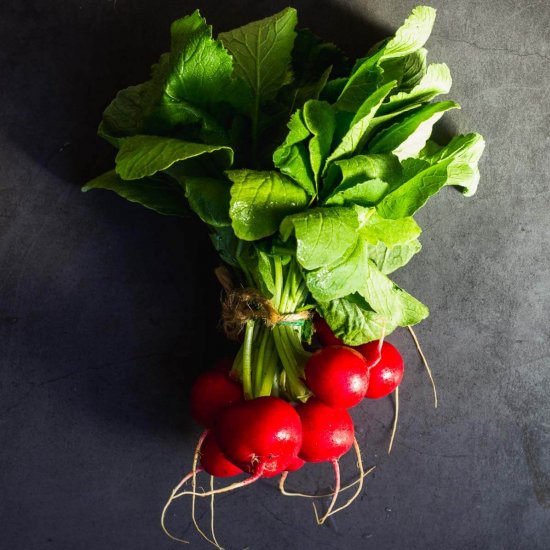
column 271, row 363
column 278, row 282
column 263, row 337
column 294, row 386
column 242, row 264
column 268, row 353
column 287, row 338
column 247, row 359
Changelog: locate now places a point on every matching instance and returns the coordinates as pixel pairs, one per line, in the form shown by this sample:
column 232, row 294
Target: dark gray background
column 107, row 311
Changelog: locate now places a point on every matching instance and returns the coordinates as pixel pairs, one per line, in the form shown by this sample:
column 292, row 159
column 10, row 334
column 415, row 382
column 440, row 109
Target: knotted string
column 242, row 304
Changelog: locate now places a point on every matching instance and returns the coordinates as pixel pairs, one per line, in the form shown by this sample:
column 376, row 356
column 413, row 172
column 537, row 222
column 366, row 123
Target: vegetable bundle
column 307, row 169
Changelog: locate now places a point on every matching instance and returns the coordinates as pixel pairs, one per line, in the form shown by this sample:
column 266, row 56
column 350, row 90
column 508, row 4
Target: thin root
column 192, row 474
column 286, row 493
column 167, row 505
column 395, row 418
column 425, row 361
column 360, row 480
column 322, row 520
column 236, row 485
column 212, row 530
column 196, row 457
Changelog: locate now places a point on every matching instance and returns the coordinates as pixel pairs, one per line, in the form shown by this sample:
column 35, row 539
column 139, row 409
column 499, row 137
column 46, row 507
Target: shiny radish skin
column 338, row 376
column 262, row 434
column 324, row 333
column 327, row 432
column 214, row 462
column 386, row 371
column 212, row 392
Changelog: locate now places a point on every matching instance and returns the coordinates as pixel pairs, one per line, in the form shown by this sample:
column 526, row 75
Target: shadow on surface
column 65, row 62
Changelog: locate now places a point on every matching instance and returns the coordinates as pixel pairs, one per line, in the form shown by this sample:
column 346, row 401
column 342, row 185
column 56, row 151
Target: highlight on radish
column 262, row 436
column 385, row 368
column 338, row 376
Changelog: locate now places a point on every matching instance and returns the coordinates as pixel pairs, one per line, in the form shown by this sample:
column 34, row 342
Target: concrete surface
column 107, row 311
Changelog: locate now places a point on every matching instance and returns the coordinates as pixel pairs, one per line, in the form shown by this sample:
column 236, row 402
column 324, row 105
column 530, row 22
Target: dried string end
column 244, row 304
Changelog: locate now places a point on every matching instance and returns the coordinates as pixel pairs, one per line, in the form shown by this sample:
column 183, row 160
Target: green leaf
column 373, row 101
column 390, row 301
column 332, row 89
column 407, row 138
column 261, row 54
column 265, row 277
column 260, row 201
column 414, row 193
column 391, row 243
column 454, row 165
column 413, row 34
column 141, row 155
column 366, row 171
column 209, row 199
column 436, row 81
column 388, row 260
column 159, row 193
column 353, row 320
column 124, row 115
column 411, row 167
column 354, row 139
column 225, row 243
column 323, row 235
column 382, row 119
column 346, row 277
column 320, row 119
column 165, row 113
column 431, row 148
column 186, row 121
column 409, row 38
column 306, row 92
column 292, row 156
column 465, row 152
column 407, row 70
column 374, row 228
column 311, row 57
column 365, row 167
column 313, row 62
column 365, row 193
column 200, row 69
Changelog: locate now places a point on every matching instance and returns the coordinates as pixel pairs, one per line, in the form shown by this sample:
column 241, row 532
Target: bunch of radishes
column 267, row 436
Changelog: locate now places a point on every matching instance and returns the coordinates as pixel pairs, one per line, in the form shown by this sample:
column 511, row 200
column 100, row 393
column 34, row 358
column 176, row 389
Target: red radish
column 213, row 460
column 212, row 392
column 296, row 464
column 325, row 334
column 327, row 432
column 261, row 435
column 338, row 376
column 387, row 370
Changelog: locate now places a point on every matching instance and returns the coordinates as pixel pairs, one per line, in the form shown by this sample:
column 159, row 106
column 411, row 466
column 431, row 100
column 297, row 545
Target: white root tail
column 395, row 419
column 425, row 361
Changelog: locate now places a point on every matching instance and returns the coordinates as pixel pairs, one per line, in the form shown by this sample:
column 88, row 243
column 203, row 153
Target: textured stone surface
column 107, row 310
